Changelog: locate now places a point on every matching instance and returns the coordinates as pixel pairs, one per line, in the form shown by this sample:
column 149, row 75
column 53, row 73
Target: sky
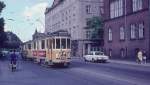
column 23, row 17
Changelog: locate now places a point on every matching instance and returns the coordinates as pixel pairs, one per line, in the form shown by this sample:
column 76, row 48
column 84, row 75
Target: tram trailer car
column 52, row 49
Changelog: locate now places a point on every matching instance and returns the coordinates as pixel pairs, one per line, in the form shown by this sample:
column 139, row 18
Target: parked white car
column 96, row 56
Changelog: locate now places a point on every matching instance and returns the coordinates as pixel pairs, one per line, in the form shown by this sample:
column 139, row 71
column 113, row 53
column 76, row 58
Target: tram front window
column 57, row 43
column 63, row 43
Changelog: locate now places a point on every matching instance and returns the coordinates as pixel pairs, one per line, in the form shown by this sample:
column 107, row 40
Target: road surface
column 79, row 73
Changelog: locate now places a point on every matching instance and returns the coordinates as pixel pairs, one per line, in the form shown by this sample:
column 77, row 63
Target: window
column 68, row 43
column 34, row 45
column 88, row 34
column 88, row 21
column 88, row 9
column 133, row 30
column 110, row 34
column 49, row 43
column 43, row 44
column 136, row 5
column 57, row 43
column 116, row 8
column 53, row 43
column 29, row 46
column 122, row 33
column 141, row 30
column 95, row 48
column 37, row 44
column 63, row 43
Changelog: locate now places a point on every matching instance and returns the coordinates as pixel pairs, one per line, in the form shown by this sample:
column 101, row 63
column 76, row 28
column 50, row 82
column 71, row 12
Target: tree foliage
column 2, row 6
column 2, row 33
column 96, row 25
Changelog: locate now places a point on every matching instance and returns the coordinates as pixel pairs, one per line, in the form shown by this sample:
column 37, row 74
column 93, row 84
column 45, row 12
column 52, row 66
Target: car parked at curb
column 94, row 56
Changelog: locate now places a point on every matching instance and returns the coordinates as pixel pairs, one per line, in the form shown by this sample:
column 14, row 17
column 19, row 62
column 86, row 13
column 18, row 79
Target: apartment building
column 72, row 16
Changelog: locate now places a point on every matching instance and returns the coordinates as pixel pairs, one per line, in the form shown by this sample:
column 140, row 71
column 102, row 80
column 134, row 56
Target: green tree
column 2, row 33
column 96, row 25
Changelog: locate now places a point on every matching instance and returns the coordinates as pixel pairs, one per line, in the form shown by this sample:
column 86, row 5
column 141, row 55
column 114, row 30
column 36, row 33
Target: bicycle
column 13, row 66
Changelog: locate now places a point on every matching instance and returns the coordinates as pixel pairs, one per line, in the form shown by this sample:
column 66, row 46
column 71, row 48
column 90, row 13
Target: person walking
column 140, row 57
column 13, row 60
column 144, row 57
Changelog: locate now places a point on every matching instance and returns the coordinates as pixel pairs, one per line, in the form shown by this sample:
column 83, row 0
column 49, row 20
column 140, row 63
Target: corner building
column 127, row 28
column 72, row 15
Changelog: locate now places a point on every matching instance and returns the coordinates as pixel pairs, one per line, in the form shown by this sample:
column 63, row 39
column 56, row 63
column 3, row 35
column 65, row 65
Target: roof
column 59, row 33
column 55, row 4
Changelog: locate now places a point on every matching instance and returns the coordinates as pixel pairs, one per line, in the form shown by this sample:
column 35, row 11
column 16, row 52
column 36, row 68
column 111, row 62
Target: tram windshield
column 62, row 43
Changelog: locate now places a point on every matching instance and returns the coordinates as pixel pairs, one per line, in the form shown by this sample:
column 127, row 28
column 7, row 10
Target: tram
column 51, row 49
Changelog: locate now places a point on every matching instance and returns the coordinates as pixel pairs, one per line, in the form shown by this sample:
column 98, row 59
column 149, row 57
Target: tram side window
column 38, row 45
column 57, row 43
column 29, row 46
column 43, row 44
column 68, row 43
column 47, row 43
column 34, row 45
column 25, row 47
column 50, row 44
column 63, row 43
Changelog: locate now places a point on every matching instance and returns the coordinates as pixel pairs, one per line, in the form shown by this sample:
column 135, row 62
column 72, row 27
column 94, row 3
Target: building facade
column 72, row 15
column 127, row 28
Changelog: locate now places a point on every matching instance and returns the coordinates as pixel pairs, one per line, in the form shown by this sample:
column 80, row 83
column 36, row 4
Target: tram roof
column 59, row 33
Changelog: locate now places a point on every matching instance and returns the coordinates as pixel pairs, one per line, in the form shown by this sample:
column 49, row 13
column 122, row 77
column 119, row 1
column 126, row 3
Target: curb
column 129, row 63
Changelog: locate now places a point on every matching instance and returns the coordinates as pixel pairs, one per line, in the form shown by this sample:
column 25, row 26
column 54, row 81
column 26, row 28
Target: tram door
column 49, row 49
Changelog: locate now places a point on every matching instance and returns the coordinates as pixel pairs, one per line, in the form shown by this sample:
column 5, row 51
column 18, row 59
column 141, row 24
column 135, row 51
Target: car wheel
column 103, row 61
column 93, row 60
column 85, row 60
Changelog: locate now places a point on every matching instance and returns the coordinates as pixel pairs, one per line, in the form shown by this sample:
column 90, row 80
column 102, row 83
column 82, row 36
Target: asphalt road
column 79, row 73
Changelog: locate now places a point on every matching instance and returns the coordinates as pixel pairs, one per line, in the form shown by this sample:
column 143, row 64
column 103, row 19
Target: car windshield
column 99, row 53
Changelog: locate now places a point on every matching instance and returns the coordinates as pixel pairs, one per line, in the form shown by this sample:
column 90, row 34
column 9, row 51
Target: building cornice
column 54, row 6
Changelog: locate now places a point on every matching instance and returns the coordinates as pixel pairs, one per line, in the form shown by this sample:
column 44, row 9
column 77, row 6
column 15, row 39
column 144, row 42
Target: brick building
column 127, row 28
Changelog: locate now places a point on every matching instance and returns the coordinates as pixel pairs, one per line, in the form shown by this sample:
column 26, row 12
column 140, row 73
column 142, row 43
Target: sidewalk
column 129, row 62
column 120, row 62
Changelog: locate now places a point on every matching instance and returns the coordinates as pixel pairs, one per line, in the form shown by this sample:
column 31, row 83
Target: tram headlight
column 64, row 54
column 57, row 56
